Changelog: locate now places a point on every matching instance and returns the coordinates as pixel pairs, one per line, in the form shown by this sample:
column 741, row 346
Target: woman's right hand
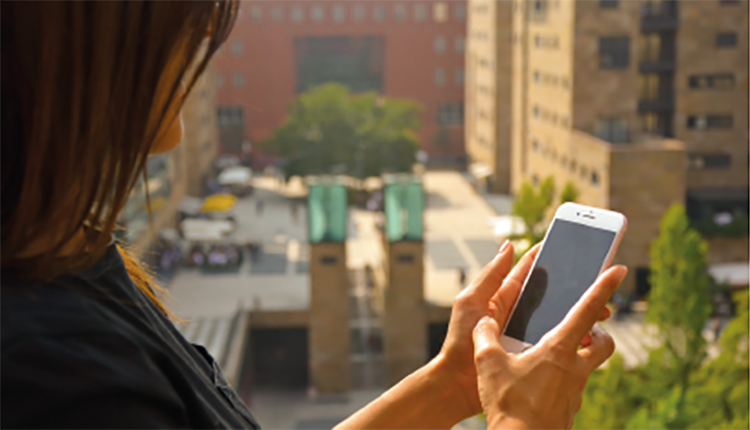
column 542, row 388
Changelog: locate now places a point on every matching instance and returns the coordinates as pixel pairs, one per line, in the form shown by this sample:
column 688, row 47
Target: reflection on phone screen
column 567, row 265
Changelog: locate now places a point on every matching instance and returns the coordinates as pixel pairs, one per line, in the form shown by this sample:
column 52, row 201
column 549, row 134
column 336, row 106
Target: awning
column 235, row 176
column 734, row 274
column 218, row 203
column 506, row 226
column 480, row 170
column 205, row 230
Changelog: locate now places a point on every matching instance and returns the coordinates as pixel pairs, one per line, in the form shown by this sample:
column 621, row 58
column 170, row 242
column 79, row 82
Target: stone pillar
column 404, row 317
column 329, row 318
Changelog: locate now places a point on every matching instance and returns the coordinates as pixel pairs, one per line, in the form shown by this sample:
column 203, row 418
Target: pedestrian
column 462, row 276
column 89, row 91
column 295, row 211
column 259, row 204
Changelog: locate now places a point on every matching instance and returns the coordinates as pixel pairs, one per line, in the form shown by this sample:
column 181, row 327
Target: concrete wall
column 404, row 318
column 645, row 180
column 697, row 53
column 329, row 318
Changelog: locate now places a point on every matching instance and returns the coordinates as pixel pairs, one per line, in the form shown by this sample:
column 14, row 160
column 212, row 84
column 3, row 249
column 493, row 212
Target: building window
column 239, row 80
column 318, row 13
column 614, row 52
column 459, row 77
column 537, row 77
column 229, row 116
column 219, row 80
column 650, row 48
column 704, row 122
column 440, row 44
column 298, row 14
column 379, row 12
column 237, row 47
column 722, row 81
column 459, row 12
column 709, row 161
column 420, row 12
column 256, row 13
column 359, row 12
column 536, row 111
column 440, row 12
column 613, row 130
column 450, row 113
column 439, row 77
column 459, row 44
column 277, row 13
column 399, row 12
column 608, row 4
column 595, row 178
column 339, row 13
column 726, row 40
column 648, row 86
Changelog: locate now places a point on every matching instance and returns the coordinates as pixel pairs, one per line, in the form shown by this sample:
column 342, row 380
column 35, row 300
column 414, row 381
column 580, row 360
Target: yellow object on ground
column 218, row 203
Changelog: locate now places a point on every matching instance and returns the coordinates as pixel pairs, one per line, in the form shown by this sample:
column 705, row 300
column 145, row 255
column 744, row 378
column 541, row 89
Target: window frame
column 731, row 34
column 620, row 55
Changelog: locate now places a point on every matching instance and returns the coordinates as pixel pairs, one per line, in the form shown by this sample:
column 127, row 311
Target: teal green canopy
column 326, row 213
column 404, row 206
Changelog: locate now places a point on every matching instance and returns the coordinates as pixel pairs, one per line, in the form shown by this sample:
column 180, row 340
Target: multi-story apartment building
column 410, row 49
column 488, row 112
column 641, row 104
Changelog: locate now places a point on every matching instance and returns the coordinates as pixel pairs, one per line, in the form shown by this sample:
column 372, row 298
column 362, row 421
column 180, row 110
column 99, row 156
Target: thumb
column 486, row 336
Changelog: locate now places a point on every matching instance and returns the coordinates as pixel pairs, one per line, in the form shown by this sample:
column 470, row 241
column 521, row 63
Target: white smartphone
column 578, row 246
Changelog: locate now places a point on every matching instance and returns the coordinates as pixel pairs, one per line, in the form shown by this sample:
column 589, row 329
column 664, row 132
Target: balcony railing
column 657, row 104
column 657, row 16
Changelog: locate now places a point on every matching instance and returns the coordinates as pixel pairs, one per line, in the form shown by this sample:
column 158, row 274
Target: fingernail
column 620, row 273
column 504, row 247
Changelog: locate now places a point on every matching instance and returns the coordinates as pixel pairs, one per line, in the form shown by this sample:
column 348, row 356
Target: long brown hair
column 80, row 92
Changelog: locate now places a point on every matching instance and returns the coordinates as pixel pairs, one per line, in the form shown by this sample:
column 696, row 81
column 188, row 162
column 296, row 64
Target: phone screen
column 567, row 265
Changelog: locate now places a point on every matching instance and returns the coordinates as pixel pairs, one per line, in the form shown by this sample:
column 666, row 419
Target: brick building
column 406, row 49
column 641, row 104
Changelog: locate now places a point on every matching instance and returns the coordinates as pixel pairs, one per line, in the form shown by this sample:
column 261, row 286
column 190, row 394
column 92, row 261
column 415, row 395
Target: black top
column 92, row 351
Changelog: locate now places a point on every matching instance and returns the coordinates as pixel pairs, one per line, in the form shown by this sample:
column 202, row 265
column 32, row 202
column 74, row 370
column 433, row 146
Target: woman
column 89, row 90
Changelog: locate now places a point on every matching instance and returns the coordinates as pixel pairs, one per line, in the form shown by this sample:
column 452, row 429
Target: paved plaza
column 458, row 236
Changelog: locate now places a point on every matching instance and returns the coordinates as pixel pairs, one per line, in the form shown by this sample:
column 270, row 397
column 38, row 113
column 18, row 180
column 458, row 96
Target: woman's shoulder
column 91, row 378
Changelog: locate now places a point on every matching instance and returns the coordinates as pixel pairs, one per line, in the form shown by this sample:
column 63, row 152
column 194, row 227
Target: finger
column 486, row 336
column 586, row 340
column 586, row 312
column 488, row 281
column 601, row 348
column 504, row 299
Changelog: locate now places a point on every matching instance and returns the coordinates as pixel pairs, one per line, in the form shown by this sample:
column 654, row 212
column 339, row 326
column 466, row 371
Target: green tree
column 532, row 206
column 720, row 394
column 679, row 302
column 330, row 130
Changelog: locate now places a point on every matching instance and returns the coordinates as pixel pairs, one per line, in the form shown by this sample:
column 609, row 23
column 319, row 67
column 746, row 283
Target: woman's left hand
column 492, row 293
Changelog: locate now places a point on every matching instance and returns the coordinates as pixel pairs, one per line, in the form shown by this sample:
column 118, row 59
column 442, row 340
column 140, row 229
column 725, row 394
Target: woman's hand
column 493, row 293
column 543, row 386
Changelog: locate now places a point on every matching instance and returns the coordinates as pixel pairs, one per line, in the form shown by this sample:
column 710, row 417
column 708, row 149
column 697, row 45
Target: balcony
column 657, row 104
column 657, row 65
column 659, row 16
